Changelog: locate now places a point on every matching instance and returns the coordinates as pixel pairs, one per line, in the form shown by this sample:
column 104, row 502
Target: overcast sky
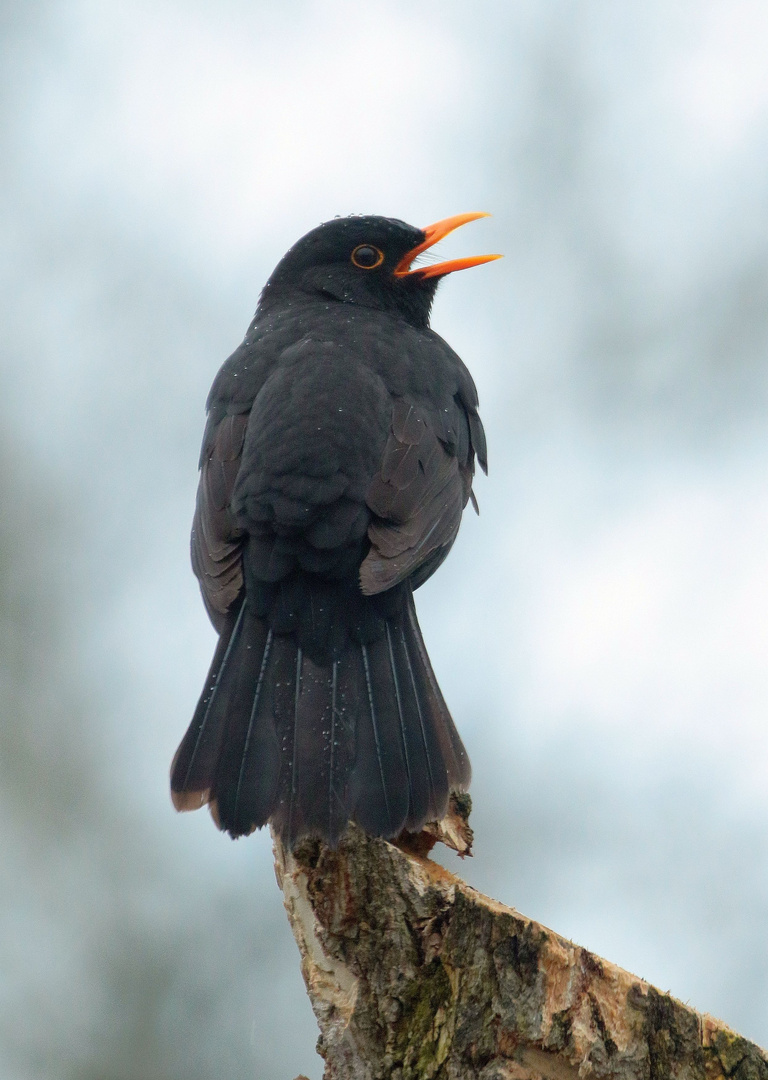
column 600, row 631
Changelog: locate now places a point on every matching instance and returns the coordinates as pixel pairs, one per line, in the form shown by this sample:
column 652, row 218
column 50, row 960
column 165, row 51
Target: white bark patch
column 331, row 986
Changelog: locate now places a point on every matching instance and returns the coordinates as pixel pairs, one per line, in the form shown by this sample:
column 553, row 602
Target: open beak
column 432, row 234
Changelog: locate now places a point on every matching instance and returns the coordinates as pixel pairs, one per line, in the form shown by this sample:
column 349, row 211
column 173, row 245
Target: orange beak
column 432, row 234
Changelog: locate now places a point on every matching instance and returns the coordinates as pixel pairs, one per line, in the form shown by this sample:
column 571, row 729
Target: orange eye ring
column 362, row 255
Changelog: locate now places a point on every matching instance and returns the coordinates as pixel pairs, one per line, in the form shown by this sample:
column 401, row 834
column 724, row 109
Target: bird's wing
column 417, row 498
column 216, row 540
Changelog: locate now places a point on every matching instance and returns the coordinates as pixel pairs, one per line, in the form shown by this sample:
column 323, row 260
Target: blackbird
column 337, row 459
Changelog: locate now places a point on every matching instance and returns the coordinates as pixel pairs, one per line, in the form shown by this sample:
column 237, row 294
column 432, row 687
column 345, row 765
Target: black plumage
column 336, row 462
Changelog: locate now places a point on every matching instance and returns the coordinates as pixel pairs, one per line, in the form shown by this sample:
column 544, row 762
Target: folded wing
column 217, row 543
column 417, row 497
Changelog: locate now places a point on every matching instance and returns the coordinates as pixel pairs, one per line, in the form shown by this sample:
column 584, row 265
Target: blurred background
column 600, row 631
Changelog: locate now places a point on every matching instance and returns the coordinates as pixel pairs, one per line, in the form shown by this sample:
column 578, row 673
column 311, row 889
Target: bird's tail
column 365, row 736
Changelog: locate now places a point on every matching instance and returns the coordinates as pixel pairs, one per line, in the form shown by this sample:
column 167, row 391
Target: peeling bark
column 413, row 975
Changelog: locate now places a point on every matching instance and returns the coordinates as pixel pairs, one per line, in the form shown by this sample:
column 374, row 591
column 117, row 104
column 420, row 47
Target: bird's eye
column 367, row 257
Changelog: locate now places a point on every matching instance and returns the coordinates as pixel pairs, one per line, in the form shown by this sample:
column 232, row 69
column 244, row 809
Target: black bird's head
column 366, row 260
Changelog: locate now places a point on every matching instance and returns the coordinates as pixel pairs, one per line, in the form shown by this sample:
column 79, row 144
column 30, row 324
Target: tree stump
column 413, row 975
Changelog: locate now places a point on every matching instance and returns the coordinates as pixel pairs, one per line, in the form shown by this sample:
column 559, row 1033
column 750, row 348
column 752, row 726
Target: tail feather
column 247, row 773
column 430, row 779
column 194, row 765
column 453, row 752
column 277, row 710
column 340, row 743
column 310, row 809
column 315, row 799
column 379, row 783
column 311, row 744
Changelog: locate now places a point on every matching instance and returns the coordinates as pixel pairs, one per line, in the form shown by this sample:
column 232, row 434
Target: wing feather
column 216, row 541
column 417, row 498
